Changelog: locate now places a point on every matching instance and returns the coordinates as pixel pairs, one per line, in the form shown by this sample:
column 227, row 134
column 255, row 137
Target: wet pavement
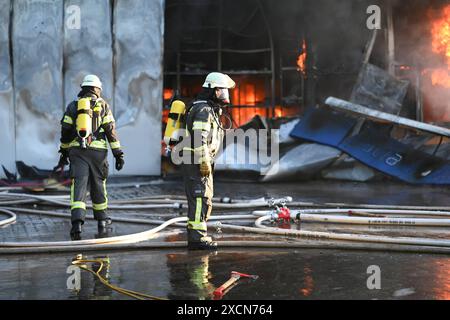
column 283, row 273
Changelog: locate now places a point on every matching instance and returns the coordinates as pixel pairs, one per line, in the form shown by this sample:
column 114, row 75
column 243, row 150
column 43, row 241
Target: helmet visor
column 223, row 95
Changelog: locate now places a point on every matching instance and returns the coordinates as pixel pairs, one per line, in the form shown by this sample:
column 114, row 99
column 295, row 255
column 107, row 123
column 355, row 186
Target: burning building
column 282, row 58
column 292, row 54
column 285, row 56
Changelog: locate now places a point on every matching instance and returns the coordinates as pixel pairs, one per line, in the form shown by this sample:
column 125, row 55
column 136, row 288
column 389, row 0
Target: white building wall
column 7, row 135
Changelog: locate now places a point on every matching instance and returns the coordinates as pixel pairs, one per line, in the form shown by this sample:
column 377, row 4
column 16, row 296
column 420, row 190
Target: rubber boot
column 103, row 227
column 205, row 243
column 75, row 232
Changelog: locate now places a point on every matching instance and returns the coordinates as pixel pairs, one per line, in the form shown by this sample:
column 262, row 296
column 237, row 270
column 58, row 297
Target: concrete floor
column 283, row 274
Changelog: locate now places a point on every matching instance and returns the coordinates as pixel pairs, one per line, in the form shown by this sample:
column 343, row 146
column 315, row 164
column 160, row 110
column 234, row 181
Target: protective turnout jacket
column 202, row 125
column 103, row 128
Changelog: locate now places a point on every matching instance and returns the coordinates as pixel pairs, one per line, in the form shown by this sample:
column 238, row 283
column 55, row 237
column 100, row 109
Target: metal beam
column 378, row 116
column 390, row 39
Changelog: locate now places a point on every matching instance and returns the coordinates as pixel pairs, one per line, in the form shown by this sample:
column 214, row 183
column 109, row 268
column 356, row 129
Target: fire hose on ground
column 151, row 203
column 134, row 240
column 12, row 217
column 369, row 216
column 179, row 202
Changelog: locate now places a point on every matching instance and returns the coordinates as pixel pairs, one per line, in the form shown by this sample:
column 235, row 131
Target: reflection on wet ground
column 294, row 274
column 283, row 274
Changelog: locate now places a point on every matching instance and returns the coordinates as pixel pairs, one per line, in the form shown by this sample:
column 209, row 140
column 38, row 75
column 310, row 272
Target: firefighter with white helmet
column 87, row 127
column 203, row 126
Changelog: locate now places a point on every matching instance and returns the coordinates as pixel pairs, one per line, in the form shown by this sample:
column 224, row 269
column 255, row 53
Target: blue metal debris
column 373, row 148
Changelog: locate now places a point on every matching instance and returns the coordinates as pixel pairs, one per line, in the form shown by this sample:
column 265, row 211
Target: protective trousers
column 199, row 193
column 89, row 171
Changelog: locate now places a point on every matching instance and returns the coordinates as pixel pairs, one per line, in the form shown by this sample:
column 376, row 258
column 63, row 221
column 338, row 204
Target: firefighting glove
column 63, row 160
column 205, row 166
column 119, row 160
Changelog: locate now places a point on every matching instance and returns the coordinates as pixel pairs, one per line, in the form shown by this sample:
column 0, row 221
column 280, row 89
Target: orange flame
column 168, row 93
column 301, row 60
column 440, row 32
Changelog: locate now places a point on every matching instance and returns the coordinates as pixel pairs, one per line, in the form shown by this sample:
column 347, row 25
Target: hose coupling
column 218, row 227
column 284, row 214
column 225, row 200
column 178, row 205
column 273, row 217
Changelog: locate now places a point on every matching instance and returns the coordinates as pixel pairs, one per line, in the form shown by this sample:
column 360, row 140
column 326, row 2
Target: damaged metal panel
column 245, row 150
column 397, row 159
column 302, row 162
column 237, row 157
column 347, row 168
column 88, row 50
column 322, row 126
column 139, row 81
column 37, row 51
column 285, row 131
column 7, row 136
column 377, row 89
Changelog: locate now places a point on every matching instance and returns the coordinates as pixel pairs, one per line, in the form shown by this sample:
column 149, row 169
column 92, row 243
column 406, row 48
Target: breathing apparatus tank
column 175, row 122
column 84, row 121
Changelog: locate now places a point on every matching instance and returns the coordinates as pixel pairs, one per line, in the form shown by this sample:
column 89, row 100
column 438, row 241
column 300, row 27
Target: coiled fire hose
column 82, row 264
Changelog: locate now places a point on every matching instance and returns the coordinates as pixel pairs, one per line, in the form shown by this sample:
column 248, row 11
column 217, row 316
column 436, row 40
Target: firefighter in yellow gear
column 86, row 128
column 206, row 133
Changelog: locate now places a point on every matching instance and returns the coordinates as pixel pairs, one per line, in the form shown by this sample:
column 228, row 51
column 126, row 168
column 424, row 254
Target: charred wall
column 335, row 33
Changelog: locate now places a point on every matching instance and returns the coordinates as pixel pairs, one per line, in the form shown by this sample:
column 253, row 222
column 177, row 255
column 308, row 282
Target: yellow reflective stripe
column 72, row 186
column 74, row 143
column 199, row 149
column 68, row 120
column 99, row 144
column 104, row 205
column 108, row 119
column 75, row 204
column 115, row 145
column 197, row 225
column 65, row 145
column 199, row 125
column 198, row 212
column 198, row 209
column 100, row 206
column 78, row 205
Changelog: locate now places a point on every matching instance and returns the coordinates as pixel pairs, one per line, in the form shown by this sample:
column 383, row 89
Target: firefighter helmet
column 219, row 80
column 92, row 80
